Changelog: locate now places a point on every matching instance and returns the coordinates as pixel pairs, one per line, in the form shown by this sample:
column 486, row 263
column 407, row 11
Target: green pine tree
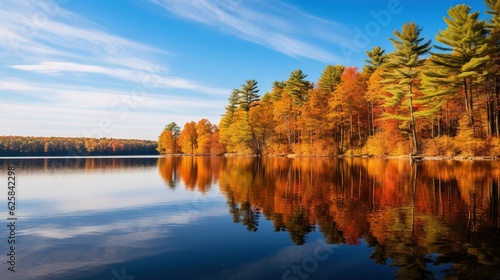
column 402, row 71
column 376, row 58
column 330, row 77
column 493, row 41
column 461, row 64
column 297, row 86
column 249, row 96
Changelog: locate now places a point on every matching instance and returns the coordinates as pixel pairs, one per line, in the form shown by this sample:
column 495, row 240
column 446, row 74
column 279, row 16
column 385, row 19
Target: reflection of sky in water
column 76, row 221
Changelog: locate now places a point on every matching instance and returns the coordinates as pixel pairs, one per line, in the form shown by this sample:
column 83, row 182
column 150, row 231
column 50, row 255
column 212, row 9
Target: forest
column 422, row 97
column 65, row 146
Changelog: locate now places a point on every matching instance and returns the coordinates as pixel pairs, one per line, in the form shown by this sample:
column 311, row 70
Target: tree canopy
column 416, row 98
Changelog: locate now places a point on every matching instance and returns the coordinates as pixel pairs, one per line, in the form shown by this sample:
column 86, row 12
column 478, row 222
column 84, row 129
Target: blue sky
column 124, row 69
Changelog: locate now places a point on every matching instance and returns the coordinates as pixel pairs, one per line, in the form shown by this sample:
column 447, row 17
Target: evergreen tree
column 493, row 41
column 402, row 71
column 376, row 58
column 249, row 98
column 297, row 87
column 234, row 100
column 330, row 77
column 248, row 95
column 227, row 118
column 461, row 65
column 236, row 131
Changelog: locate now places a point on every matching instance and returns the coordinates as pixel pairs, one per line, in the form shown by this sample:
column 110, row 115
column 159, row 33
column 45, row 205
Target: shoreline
column 230, row 155
column 401, row 157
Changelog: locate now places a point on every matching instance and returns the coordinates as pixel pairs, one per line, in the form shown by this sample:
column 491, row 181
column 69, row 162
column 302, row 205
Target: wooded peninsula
column 420, row 98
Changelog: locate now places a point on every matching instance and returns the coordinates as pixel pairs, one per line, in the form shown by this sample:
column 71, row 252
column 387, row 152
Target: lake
column 249, row 218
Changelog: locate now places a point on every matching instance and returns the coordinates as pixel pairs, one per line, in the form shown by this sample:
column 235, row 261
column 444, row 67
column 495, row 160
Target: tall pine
column 493, row 106
column 460, row 66
column 249, row 98
column 376, row 58
column 402, row 71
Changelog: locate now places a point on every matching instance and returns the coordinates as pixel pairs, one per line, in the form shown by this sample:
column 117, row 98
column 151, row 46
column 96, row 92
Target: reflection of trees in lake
column 418, row 216
column 78, row 164
column 196, row 173
column 169, row 170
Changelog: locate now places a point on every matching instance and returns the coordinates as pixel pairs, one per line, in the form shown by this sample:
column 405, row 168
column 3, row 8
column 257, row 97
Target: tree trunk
column 432, row 126
column 341, row 136
column 350, row 130
column 373, row 118
column 468, row 103
column 412, row 124
column 359, row 130
column 439, row 127
column 497, row 108
column 480, row 118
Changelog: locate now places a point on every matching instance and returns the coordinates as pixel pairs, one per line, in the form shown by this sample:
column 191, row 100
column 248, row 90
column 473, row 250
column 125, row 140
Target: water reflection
column 249, row 218
column 43, row 165
column 429, row 218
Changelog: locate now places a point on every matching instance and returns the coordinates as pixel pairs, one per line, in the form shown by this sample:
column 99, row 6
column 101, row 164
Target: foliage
column 376, row 58
column 330, row 77
column 402, row 75
column 188, row 139
column 460, row 67
column 402, row 102
column 168, row 139
column 67, row 146
column 441, row 146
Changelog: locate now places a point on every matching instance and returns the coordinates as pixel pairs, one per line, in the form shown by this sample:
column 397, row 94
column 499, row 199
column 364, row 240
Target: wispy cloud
column 157, row 79
column 41, row 29
column 79, row 111
column 51, row 40
column 62, row 72
column 267, row 23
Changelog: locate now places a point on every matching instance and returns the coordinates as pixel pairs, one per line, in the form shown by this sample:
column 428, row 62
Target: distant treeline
column 65, row 146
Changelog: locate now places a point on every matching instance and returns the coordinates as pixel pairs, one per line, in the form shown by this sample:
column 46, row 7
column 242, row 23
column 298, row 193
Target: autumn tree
column 216, row 147
column 317, row 132
column 204, row 130
column 188, row 139
column 285, row 120
column 261, row 118
column 347, row 105
column 402, row 73
column 167, row 141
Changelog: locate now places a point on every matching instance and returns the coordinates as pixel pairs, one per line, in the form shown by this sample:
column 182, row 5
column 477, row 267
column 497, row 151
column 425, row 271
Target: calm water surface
column 246, row 218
